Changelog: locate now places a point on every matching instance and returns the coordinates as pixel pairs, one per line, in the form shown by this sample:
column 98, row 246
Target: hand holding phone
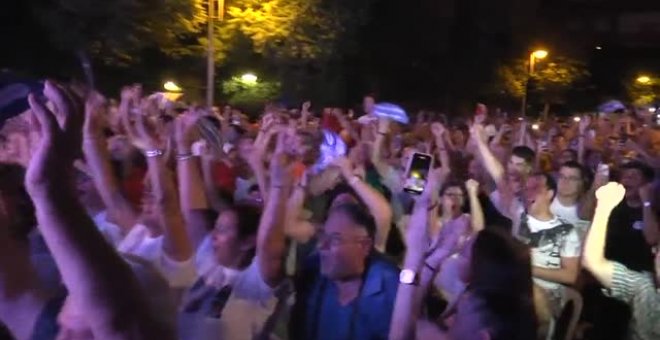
column 417, row 173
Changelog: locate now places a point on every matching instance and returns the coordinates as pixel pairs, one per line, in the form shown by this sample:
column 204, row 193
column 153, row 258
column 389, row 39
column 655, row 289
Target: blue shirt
column 319, row 315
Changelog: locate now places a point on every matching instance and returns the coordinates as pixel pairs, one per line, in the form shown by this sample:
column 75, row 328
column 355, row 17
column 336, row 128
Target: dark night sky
column 439, row 52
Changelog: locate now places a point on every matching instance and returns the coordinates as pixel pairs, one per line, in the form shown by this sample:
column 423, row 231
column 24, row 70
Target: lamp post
column 533, row 57
column 210, row 57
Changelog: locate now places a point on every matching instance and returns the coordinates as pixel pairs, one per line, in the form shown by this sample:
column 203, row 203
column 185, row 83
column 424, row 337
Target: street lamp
column 533, row 57
column 172, row 86
column 644, row 80
column 249, row 79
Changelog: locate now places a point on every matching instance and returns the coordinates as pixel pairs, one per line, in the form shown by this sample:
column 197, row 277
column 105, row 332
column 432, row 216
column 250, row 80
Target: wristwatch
column 408, row 277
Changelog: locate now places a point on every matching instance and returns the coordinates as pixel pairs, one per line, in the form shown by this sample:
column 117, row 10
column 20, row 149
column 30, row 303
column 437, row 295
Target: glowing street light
column 644, row 80
column 172, row 87
column 539, row 54
column 249, row 79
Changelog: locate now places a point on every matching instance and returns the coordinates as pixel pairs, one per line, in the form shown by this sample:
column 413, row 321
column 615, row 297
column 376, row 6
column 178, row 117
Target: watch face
column 407, row 276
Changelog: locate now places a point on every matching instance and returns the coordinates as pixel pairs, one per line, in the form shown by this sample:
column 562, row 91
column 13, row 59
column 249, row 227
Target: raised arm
column 378, row 206
column 476, row 212
column 193, row 200
column 409, row 297
column 585, row 122
column 98, row 160
column 593, row 257
column 492, row 165
column 100, row 284
column 176, row 243
column 377, row 155
column 271, row 239
column 439, row 132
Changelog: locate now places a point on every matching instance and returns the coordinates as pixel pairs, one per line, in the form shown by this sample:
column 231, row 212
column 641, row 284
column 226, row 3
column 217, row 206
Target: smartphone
column 417, row 173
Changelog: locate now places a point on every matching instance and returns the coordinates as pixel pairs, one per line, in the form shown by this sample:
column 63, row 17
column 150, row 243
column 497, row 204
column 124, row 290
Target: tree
column 117, row 30
column 643, row 94
column 249, row 96
column 552, row 79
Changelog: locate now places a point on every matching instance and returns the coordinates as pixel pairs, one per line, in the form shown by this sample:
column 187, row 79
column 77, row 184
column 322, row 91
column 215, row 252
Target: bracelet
column 646, row 204
column 184, row 156
column 153, row 153
column 354, row 180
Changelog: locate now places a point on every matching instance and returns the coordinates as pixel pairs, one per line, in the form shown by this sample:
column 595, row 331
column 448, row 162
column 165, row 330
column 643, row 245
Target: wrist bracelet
column 646, row 204
column 184, row 156
column 153, row 153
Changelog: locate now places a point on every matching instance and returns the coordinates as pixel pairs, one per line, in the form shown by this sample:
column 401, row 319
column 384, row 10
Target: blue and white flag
column 391, row 111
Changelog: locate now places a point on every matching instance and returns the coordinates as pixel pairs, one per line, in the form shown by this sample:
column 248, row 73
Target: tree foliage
column 116, row 30
column 644, row 94
column 551, row 78
column 250, row 97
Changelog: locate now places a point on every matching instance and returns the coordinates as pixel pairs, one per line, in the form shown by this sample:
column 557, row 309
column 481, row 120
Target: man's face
column 536, row 193
column 570, row 182
column 519, row 165
column 344, row 247
column 632, row 180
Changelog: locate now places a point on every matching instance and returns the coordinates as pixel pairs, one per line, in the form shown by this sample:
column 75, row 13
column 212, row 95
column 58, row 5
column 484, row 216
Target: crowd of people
column 145, row 219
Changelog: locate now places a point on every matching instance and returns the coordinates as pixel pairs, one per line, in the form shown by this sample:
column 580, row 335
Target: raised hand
column 186, row 132
column 610, row 195
column 146, row 136
column 432, row 187
column 93, row 126
column 472, row 187
column 281, row 165
column 61, row 136
column 305, row 106
column 345, row 165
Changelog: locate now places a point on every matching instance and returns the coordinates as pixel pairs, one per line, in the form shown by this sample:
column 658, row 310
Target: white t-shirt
column 549, row 242
column 138, row 242
column 570, row 215
column 247, row 309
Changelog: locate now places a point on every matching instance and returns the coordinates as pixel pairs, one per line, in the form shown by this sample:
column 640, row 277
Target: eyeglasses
column 336, row 240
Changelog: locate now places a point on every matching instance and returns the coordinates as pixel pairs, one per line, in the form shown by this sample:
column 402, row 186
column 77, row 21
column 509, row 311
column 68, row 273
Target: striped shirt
column 637, row 289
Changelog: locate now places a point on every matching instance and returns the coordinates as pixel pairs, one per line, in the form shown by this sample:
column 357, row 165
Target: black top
column 625, row 241
column 46, row 327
